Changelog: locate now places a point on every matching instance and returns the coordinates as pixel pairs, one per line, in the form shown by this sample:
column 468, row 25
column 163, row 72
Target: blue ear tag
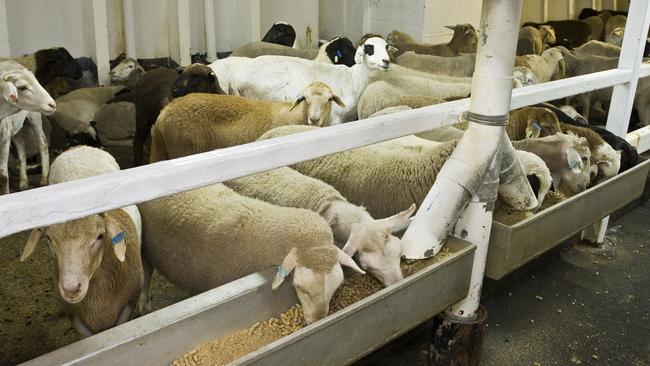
column 537, row 126
column 118, row 238
column 282, row 272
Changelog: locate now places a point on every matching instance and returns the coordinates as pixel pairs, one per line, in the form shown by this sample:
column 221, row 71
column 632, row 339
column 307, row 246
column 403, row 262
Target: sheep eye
column 130, row 66
column 23, row 88
column 100, row 237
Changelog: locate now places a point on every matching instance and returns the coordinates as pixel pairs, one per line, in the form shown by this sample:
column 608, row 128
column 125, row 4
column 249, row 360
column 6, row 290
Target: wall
column 383, row 16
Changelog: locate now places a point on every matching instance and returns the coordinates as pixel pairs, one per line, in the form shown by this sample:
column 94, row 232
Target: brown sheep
column 464, row 40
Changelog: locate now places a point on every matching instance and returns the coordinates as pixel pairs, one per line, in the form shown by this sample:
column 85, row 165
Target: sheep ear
column 574, row 161
column 352, row 245
column 399, row 221
column 9, row 92
column 288, row 264
column 452, row 27
column 297, row 102
column 346, row 260
column 34, row 238
column 358, row 56
column 116, row 236
column 337, row 100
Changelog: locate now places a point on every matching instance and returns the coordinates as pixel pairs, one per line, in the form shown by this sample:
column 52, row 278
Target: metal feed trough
column 513, row 246
column 165, row 335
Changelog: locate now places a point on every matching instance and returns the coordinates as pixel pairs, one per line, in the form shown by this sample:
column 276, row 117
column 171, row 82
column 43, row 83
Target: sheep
column 20, row 90
column 100, row 273
column 588, row 12
column 597, row 24
column 535, row 122
column 538, row 175
column 566, row 156
column 523, row 76
column 379, row 251
column 257, row 78
column 462, row 65
column 76, row 109
column 156, row 89
column 281, row 33
column 115, row 124
column 127, row 73
column 391, row 110
column 598, row 48
column 338, row 51
column 210, row 236
column 48, row 64
column 464, row 40
column 615, row 29
column 550, row 63
column 569, row 32
column 9, row 128
column 533, row 41
column 203, row 122
column 412, row 91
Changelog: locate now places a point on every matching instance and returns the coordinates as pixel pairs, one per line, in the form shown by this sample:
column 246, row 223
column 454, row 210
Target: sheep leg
column 125, row 314
column 144, row 300
column 81, row 327
column 19, row 143
column 5, row 144
column 36, row 125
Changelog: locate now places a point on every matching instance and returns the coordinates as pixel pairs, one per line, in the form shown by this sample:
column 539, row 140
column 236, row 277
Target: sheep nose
column 72, row 290
column 313, row 120
column 386, row 62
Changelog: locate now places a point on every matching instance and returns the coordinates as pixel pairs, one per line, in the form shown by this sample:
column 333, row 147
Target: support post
column 101, row 42
column 462, row 327
column 5, row 46
column 184, row 40
column 545, row 10
column 210, row 30
column 571, row 9
column 256, row 20
column 129, row 28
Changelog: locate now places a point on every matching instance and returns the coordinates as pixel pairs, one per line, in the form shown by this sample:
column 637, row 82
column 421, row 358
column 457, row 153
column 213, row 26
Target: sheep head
column 79, row 247
column 373, row 53
column 20, row 89
column 379, row 252
column 121, row 72
column 465, row 35
column 318, row 98
column 314, row 286
column 548, row 34
column 540, row 122
column 196, row 78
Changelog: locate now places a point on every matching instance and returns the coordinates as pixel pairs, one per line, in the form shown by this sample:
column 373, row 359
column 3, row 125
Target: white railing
column 62, row 202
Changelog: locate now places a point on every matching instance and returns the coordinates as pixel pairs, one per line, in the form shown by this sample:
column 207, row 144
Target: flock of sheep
column 316, row 216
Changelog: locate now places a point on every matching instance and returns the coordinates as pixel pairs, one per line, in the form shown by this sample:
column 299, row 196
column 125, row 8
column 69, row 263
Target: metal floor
column 576, row 305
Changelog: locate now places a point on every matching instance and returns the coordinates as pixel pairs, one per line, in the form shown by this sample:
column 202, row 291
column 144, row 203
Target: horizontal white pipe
column 49, row 205
column 640, row 139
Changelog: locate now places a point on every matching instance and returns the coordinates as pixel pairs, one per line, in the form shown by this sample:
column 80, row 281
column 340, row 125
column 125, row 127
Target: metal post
column 545, row 10
column 490, row 105
column 5, row 47
column 572, row 9
column 184, row 40
column 101, row 42
column 129, row 28
column 256, row 21
column 210, row 30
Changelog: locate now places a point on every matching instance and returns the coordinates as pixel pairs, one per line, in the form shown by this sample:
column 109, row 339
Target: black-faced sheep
column 281, row 33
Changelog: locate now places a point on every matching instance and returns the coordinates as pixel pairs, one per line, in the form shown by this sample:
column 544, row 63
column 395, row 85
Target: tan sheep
column 100, row 272
column 464, row 40
column 550, row 63
column 210, row 236
column 203, row 122
column 461, row 65
column 533, row 41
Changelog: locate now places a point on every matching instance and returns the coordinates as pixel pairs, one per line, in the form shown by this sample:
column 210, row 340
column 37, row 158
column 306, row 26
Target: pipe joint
column 494, row 121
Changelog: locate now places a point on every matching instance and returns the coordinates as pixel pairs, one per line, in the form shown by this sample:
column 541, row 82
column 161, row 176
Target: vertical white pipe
column 101, row 41
column 5, row 46
column 572, row 9
column 184, row 40
column 545, row 10
column 256, row 21
column 614, row 5
column 491, row 91
column 462, row 173
column 599, row 5
column 210, row 30
column 129, row 28
column 634, row 40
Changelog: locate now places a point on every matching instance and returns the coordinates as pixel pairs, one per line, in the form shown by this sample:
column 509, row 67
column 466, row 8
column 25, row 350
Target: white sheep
column 545, row 66
column 126, row 72
column 202, row 122
column 384, row 177
column 9, row 132
column 379, row 251
column 338, row 51
column 383, row 94
column 210, row 236
column 20, row 90
column 100, row 271
column 258, row 78
column 77, row 108
column 461, row 65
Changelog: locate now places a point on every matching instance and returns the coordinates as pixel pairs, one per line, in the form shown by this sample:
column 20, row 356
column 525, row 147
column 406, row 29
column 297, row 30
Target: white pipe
column 462, row 173
column 572, row 9
column 545, row 10
column 129, row 28
column 494, row 60
column 101, row 42
column 184, row 40
column 5, row 47
column 210, row 30
column 256, row 21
